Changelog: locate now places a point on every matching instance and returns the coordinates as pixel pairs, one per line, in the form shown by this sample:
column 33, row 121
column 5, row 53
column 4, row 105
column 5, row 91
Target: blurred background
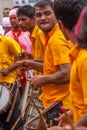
column 11, row 3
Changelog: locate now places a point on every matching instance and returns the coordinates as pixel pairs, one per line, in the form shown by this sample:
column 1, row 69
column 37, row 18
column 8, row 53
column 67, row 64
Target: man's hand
column 24, row 65
column 62, row 119
column 66, row 128
column 5, row 72
column 24, row 55
column 38, row 80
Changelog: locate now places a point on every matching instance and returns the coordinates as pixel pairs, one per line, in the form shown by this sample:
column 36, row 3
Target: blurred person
column 9, row 112
column 24, row 42
column 77, row 53
column 6, row 12
column 1, row 29
column 27, row 22
column 17, row 33
column 6, row 24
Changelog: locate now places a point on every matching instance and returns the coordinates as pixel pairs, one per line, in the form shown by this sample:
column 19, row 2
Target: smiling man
column 55, row 80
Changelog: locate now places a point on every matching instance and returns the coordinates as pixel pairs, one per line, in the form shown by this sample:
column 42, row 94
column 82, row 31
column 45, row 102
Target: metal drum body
column 31, row 111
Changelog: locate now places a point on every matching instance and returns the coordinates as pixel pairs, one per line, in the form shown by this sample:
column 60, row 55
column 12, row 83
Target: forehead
column 43, row 9
column 13, row 16
column 23, row 16
column 6, row 10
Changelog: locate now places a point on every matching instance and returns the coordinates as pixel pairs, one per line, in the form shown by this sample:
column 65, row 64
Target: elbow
column 66, row 76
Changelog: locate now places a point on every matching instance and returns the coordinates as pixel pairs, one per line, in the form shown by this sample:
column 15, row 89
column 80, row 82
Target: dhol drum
column 31, row 111
column 5, row 98
column 49, row 113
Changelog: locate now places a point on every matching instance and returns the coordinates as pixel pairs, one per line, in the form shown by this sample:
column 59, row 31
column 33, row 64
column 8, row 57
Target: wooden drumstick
column 20, row 116
column 12, row 107
column 42, row 124
column 42, row 112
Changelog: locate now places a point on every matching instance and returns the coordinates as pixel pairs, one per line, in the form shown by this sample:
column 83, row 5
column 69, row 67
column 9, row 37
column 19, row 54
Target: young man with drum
column 9, row 93
column 55, row 81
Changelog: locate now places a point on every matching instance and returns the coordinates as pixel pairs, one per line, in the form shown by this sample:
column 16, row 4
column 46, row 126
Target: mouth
column 44, row 23
column 13, row 24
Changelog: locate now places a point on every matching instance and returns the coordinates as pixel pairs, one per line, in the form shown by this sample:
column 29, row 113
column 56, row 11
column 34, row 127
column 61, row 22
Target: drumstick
column 12, row 107
column 42, row 112
column 20, row 116
column 42, row 124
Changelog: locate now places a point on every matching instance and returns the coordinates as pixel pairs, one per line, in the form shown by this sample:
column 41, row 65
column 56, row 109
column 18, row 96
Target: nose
column 13, row 20
column 20, row 23
column 43, row 17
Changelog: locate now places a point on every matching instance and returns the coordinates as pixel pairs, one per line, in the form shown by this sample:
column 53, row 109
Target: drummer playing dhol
column 56, row 66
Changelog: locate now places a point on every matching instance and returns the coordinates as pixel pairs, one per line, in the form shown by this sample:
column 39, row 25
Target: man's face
column 6, row 13
column 14, row 21
column 25, row 22
column 45, row 18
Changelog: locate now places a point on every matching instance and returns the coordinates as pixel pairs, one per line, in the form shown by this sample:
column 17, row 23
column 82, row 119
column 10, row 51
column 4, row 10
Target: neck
column 31, row 30
column 16, row 29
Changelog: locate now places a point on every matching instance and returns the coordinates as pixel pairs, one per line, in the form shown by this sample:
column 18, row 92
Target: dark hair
column 43, row 3
column 16, row 6
column 26, row 10
column 68, row 11
column 6, row 8
column 81, row 29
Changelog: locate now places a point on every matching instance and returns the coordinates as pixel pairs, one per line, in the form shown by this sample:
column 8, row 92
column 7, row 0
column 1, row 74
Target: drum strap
column 12, row 107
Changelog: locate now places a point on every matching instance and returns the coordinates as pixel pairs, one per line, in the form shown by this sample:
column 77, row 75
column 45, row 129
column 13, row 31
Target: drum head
column 4, row 98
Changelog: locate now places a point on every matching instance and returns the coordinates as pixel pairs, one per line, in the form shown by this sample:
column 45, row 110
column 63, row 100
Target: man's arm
column 30, row 64
column 38, row 60
column 62, row 76
column 6, row 71
column 82, row 121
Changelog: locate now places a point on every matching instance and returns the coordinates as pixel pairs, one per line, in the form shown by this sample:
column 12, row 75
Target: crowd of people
column 45, row 44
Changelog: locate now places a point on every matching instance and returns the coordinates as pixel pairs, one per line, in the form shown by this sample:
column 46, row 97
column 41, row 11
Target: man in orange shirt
column 78, row 56
column 55, row 81
column 27, row 23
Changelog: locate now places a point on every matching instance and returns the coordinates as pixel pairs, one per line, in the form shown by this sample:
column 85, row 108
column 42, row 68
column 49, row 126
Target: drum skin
column 5, row 99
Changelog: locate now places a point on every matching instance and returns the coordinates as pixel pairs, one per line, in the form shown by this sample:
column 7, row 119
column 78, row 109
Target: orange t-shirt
column 56, row 53
column 38, row 41
column 78, row 82
column 8, row 49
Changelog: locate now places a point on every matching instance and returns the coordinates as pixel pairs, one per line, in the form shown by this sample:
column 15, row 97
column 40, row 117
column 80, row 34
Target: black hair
column 6, row 8
column 16, row 6
column 43, row 3
column 68, row 11
column 26, row 10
